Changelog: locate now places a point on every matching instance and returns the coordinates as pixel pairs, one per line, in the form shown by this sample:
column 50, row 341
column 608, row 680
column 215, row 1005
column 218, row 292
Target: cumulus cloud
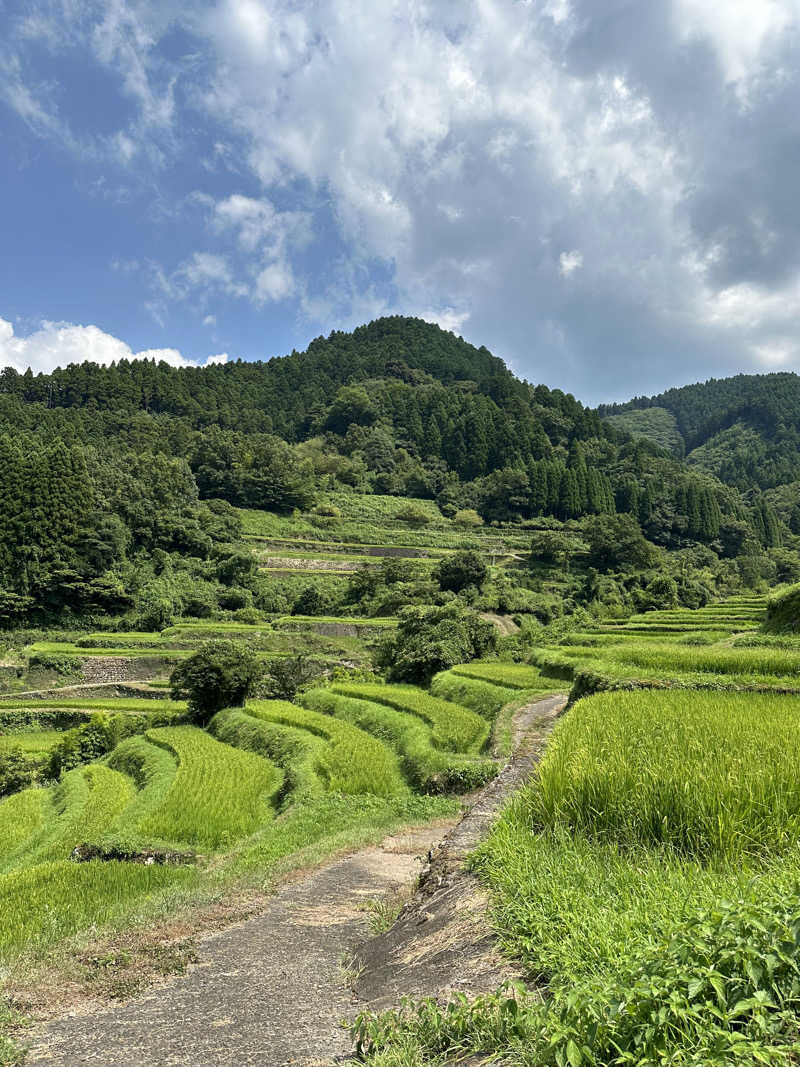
column 569, row 262
column 473, row 158
column 57, row 344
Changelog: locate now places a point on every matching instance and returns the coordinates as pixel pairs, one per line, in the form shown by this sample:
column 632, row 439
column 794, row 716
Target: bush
column 17, row 771
column 429, row 640
column 84, row 744
column 289, row 674
column 467, row 517
column 461, row 570
column 414, row 514
column 783, row 612
column 52, row 661
column 219, row 675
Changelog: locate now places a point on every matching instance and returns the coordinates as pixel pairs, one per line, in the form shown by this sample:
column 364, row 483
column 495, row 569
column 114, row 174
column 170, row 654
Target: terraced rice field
column 263, row 782
column 651, row 866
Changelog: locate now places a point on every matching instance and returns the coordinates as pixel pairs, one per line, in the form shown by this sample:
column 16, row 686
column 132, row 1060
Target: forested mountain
column 744, row 430
column 105, row 468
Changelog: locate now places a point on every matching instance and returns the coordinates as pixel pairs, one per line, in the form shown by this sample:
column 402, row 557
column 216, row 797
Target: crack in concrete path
column 273, row 990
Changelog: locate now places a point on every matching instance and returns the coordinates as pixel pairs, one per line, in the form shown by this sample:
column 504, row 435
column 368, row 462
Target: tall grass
column 713, row 775
column 42, row 904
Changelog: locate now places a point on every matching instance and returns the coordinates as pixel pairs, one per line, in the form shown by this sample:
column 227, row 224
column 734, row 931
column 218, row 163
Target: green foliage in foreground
column 50, row 901
column 678, row 948
column 722, row 990
column 716, row 775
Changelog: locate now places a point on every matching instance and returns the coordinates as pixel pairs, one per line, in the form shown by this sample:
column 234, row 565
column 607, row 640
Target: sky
column 605, row 193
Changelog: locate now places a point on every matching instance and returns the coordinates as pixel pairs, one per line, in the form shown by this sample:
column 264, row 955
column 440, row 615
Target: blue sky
column 602, row 192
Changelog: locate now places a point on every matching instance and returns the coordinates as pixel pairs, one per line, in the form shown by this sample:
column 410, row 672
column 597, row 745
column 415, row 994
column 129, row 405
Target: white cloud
column 274, row 282
column 57, row 344
column 569, row 262
column 204, row 270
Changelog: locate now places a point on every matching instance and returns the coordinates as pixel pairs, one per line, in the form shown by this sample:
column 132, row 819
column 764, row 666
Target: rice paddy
column 651, row 865
column 669, row 785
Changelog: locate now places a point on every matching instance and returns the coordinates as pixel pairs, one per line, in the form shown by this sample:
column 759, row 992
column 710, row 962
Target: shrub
column 52, row 661
column 17, row 770
column 289, row 674
column 455, row 573
column 414, row 514
column 783, row 612
column 220, row 674
column 429, row 640
column 467, row 517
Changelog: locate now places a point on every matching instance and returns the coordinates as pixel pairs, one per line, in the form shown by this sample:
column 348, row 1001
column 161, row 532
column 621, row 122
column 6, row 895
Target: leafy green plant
column 220, row 674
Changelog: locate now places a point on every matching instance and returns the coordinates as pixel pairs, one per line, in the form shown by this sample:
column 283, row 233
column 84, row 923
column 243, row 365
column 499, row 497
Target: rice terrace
column 326, row 738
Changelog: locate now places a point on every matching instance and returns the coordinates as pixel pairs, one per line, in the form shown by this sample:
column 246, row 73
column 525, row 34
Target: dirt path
column 90, row 689
column 273, row 990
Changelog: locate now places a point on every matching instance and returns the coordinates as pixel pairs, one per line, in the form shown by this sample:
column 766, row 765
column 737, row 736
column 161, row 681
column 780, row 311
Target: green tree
column 220, row 674
column 617, row 543
column 287, row 675
column 460, row 570
column 429, row 640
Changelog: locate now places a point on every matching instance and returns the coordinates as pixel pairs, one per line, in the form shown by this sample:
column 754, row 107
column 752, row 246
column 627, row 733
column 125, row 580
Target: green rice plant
column 352, row 761
column 33, row 742
column 153, row 769
column 509, row 675
column 453, row 728
column 66, row 648
column 485, row 698
column 83, row 804
column 427, row 769
column 218, row 795
column 54, row 703
column 717, row 660
column 21, row 816
column 296, row 751
column 760, row 640
column 714, row 775
column 43, row 904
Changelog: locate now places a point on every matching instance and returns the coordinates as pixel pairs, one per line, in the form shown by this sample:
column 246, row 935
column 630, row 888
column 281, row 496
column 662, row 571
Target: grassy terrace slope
column 650, row 874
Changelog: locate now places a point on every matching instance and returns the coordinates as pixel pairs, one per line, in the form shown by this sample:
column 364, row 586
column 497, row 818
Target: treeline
column 119, row 482
column 744, row 429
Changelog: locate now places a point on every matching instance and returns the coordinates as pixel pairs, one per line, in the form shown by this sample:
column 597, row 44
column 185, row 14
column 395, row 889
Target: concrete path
column 273, row 990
